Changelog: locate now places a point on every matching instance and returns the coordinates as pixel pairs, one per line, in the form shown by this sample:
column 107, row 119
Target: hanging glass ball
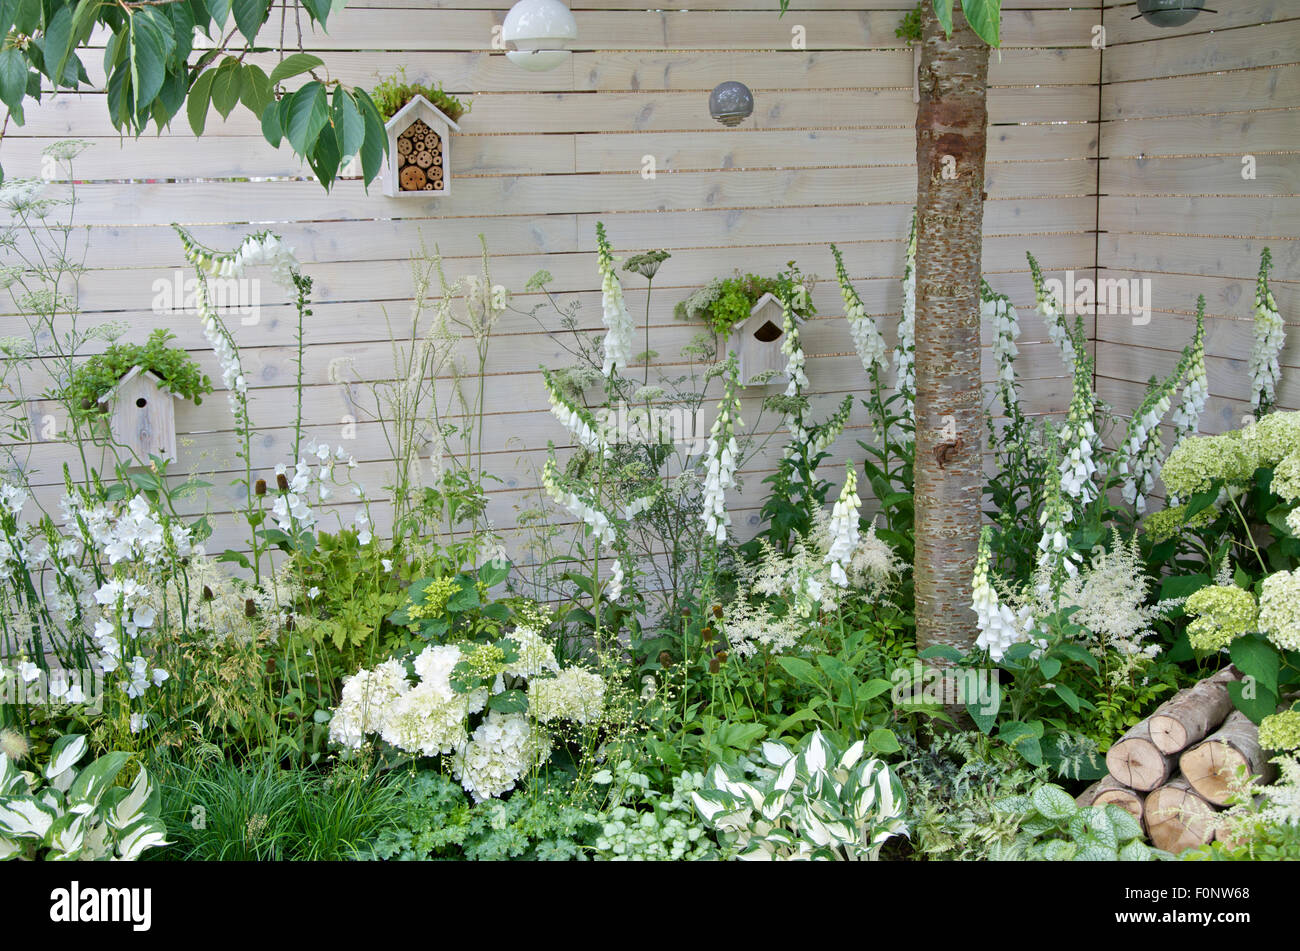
column 1169, row 13
column 731, row 103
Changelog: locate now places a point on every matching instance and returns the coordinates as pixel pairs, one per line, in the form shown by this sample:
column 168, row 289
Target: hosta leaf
column 65, row 754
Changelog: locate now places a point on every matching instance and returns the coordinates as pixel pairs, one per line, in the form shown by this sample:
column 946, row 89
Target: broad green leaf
column 883, row 741
column 800, row 670
column 255, row 90
column 226, row 85
column 943, row 10
column 1126, row 827
column 984, row 17
column 350, row 132
column 271, row 125
column 294, row 64
column 250, row 15
column 1256, row 657
column 13, row 78
column 1252, row 699
column 1053, row 802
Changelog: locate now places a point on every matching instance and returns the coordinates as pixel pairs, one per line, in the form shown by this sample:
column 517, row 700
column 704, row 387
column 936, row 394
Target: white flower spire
column 905, row 352
column 1058, row 329
column 1187, row 416
column 1265, row 371
column 619, row 328
column 844, row 528
column 866, row 336
column 722, row 455
column 999, row 626
column 996, row 308
column 792, row 348
column 579, row 421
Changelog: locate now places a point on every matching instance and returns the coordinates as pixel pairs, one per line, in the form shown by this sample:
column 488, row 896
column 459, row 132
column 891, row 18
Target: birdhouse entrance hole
column 142, row 402
column 768, row 332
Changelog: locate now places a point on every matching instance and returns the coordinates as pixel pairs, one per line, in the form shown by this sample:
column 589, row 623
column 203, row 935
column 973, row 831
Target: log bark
column 951, row 140
column 1137, row 762
column 1177, row 818
column 1212, row 765
column 1192, row 714
column 1109, row 790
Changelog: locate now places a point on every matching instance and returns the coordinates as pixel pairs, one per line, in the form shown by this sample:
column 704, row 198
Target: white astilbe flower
column 619, row 329
column 1110, row 597
column 844, row 528
column 750, row 625
column 874, row 566
column 999, row 626
column 1058, row 329
column 866, row 336
column 503, row 748
column 366, row 701
column 576, row 419
column 572, row 694
column 602, row 529
column 792, row 349
column 722, row 455
column 1270, row 334
column 1187, row 416
column 905, row 351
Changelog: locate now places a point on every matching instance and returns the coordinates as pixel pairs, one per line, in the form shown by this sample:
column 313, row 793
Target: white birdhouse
column 142, row 416
column 756, row 341
column 419, row 151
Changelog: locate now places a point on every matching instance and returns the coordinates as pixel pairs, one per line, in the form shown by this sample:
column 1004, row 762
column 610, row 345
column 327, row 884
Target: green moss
column 100, row 373
column 393, row 92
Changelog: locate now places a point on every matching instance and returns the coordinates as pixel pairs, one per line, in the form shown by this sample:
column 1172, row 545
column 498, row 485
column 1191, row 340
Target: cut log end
column 1135, row 761
column 1177, row 818
column 1215, row 765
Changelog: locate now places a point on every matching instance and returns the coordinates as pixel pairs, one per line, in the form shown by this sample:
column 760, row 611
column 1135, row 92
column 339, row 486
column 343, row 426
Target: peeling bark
column 951, row 138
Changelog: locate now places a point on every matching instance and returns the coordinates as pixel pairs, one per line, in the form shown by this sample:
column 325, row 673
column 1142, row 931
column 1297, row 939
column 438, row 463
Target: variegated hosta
column 65, row 813
column 816, row 802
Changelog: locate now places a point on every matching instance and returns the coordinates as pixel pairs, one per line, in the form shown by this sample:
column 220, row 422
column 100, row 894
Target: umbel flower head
column 647, row 264
column 844, row 528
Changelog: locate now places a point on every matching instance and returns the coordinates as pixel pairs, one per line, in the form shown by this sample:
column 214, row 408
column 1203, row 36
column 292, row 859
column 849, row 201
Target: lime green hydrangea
column 1198, row 460
column 1170, row 521
column 1279, row 609
column 1286, row 477
column 1281, row 731
column 485, row 661
column 1220, row 614
column 1272, row 438
column 433, row 600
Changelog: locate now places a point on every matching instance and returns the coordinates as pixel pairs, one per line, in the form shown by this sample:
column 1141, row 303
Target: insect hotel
column 756, row 341
column 419, row 151
column 142, row 415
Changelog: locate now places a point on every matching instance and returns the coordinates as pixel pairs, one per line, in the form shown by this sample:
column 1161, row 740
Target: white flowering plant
column 817, row 801
column 63, row 812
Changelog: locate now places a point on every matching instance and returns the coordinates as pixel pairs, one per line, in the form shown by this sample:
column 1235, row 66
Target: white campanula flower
column 138, row 722
column 722, row 455
column 619, row 329
column 844, row 528
column 13, row 498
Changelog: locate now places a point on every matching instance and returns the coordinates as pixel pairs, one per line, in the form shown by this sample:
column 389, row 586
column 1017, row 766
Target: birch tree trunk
column 951, row 137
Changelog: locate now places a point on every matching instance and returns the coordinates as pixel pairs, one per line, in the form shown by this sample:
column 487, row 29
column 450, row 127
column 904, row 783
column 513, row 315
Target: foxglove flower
column 905, row 351
column 619, row 328
column 1058, row 329
column 1187, row 416
column 722, row 457
column 866, row 336
column 999, row 626
column 844, row 528
column 792, row 348
column 1265, row 371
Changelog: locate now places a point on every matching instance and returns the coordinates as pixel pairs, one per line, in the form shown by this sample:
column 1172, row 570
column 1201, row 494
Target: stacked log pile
column 1173, row 771
column 419, row 159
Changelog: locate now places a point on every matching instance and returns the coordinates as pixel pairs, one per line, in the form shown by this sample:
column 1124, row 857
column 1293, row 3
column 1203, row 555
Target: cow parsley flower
column 619, row 328
column 844, row 528
column 1270, row 334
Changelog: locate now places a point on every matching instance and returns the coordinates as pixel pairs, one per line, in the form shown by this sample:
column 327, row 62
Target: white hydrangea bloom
column 536, row 655
column 572, row 694
column 503, row 748
column 366, row 701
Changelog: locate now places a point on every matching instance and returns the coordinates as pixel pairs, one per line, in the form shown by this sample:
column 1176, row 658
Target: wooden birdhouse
column 142, row 415
column 756, row 341
column 419, row 151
